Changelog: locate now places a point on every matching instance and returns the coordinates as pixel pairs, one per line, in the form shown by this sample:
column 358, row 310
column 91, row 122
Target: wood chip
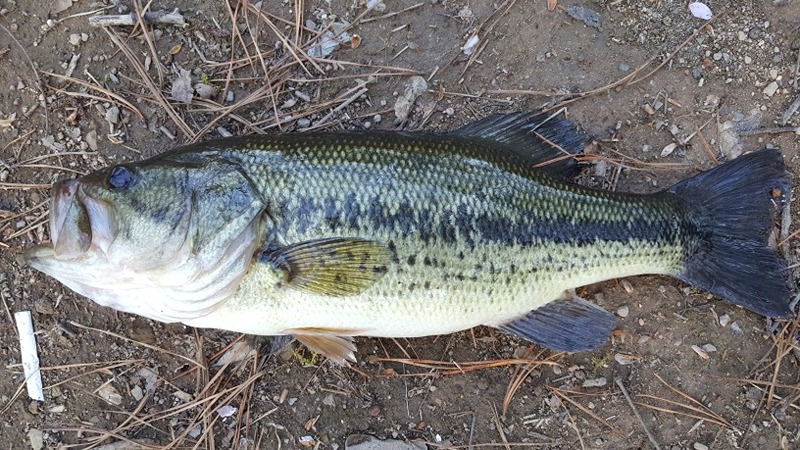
column 700, row 352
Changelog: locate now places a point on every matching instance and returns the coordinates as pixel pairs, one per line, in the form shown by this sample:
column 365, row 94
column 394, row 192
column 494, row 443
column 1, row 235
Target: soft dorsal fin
column 538, row 138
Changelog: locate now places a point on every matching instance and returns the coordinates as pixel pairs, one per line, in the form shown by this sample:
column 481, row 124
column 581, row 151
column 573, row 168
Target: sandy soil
column 113, row 377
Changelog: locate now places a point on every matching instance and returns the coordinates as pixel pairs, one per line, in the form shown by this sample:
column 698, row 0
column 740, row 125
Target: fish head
column 163, row 240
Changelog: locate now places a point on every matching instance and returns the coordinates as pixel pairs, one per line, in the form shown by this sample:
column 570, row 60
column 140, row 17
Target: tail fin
column 733, row 207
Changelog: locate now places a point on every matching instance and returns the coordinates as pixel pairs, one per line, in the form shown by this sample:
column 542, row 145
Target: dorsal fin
column 537, row 137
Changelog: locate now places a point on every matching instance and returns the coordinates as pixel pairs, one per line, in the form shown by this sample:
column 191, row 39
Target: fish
column 330, row 235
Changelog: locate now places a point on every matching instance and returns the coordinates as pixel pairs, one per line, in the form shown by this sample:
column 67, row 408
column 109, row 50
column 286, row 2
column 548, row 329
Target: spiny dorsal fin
column 332, row 266
column 568, row 324
column 328, row 343
column 536, row 137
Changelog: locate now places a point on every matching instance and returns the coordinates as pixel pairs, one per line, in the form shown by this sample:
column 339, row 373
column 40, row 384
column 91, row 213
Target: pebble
column 377, row 118
column 36, row 439
column 741, row 35
column 748, row 60
column 137, row 393
column 303, row 123
column 623, row 311
column 771, row 89
column 697, row 73
column 112, row 115
column 328, row 400
column 595, row 382
column 709, row 348
column 91, row 139
column 773, row 73
column 717, row 56
column 588, row 16
column 737, row 330
column 699, row 446
column 624, row 67
column 75, row 39
column 724, row 320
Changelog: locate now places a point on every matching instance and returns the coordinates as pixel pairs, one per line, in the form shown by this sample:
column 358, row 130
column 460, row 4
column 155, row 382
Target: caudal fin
column 732, row 207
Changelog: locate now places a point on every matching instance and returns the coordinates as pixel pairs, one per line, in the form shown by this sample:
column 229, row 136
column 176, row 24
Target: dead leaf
column 182, row 89
column 551, row 5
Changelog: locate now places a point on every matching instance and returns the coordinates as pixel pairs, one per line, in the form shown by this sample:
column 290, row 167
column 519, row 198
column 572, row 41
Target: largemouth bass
column 326, row 236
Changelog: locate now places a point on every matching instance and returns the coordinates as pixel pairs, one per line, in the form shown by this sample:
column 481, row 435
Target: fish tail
column 732, row 208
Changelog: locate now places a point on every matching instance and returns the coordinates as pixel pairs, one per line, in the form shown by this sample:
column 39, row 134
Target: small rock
column 771, row 89
column 112, row 115
column 624, row 67
column 588, row 16
column 741, row 35
column 91, row 140
column 697, row 73
column 737, row 330
column 595, row 382
column 328, row 400
column 748, row 59
column 110, row 394
column 303, row 123
column 36, row 439
column 75, row 39
column 137, row 393
column 724, row 320
column 699, row 446
column 204, row 90
column 623, row 311
column 56, row 409
column 709, row 348
column 773, row 73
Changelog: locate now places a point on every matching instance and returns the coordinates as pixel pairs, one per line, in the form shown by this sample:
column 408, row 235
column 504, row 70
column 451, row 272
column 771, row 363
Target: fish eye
column 121, row 177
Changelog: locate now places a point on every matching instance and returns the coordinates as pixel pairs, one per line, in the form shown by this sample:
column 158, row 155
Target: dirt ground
column 702, row 374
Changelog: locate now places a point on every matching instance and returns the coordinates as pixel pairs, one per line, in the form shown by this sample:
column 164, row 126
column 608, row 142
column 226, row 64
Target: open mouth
column 78, row 222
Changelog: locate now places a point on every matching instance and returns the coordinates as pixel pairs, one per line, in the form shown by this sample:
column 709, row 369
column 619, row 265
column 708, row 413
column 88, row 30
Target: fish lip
column 78, row 222
column 33, row 255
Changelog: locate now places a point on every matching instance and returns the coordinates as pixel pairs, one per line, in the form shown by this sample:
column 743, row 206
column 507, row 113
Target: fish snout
column 69, row 225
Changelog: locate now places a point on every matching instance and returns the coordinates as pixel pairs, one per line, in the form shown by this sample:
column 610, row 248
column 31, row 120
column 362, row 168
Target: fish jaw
column 87, row 255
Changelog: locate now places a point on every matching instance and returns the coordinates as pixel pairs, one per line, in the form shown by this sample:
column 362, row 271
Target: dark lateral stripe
column 459, row 225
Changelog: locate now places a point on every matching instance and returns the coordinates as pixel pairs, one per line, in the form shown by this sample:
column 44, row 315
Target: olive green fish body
column 331, row 235
column 476, row 237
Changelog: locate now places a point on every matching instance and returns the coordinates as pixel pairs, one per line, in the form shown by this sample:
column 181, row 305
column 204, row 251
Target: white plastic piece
column 30, row 356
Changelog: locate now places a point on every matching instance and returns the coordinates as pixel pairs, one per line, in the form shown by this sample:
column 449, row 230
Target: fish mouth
column 78, row 223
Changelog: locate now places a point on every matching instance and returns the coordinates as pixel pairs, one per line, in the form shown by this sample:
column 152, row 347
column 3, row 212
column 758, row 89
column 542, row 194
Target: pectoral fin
column 571, row 325
column 327, row 342
column 335, row 266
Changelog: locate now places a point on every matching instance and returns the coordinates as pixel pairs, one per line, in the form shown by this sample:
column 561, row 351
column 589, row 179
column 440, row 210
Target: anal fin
column 333, row 344
column 568, row 324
